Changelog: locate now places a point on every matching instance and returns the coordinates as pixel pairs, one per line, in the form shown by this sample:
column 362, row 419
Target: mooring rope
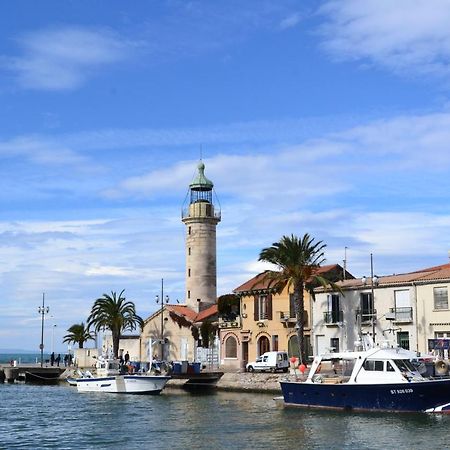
column 42, row 378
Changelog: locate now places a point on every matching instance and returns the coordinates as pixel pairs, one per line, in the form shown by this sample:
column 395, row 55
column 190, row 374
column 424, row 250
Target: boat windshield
column 404, row 365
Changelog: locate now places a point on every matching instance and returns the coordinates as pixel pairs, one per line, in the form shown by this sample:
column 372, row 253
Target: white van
column 272, row 361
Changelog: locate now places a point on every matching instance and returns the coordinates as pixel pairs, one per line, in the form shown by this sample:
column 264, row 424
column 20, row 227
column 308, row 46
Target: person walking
column 58, row 359
column 127, row 357
column 52, row 358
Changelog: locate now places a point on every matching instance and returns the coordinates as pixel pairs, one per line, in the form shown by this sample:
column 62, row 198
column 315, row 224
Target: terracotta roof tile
column 190, row 314
column 258, row 282
column 441, row 272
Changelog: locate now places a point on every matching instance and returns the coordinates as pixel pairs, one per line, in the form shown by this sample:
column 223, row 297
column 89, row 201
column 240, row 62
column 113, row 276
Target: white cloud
column 291, row 21
column 400, row 35
column 63, row 58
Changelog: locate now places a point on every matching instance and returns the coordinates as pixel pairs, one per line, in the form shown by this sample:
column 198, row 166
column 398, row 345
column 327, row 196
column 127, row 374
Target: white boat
column 109, row 379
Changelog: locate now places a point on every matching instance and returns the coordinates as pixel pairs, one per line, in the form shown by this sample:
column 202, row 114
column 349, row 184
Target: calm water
column 36, row 417
column 23, row 358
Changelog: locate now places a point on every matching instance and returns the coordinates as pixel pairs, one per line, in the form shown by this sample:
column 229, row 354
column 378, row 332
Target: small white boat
column 109, row 379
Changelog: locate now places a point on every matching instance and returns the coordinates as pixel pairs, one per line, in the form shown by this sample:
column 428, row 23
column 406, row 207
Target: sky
column 324, row 117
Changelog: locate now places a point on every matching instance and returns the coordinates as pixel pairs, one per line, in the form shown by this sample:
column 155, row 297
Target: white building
column 410, row 309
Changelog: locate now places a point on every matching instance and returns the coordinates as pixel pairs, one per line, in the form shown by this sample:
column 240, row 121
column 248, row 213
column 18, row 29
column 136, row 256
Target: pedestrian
column 66, row 359
column 127, row 357
column 58, row 359
column 52, row 358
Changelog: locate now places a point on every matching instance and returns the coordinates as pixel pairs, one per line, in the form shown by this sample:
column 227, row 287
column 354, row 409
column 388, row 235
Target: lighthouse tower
column 201, row 218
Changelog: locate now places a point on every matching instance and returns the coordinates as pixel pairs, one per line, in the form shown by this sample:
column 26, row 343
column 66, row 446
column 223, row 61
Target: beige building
column 267, row 321
column 407, row 309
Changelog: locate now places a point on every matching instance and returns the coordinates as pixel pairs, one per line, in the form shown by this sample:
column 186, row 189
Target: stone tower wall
column 201, row 271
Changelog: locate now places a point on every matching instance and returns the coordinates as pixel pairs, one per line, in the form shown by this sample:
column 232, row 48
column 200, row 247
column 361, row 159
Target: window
column 389, row 367
column 231, row 347
column 333, row 314
column 189, row 272
column 403, row 339
column 377, row 366
column 275, row 342
column 404, row 365
column 366, row 306
column 263, row 307
column 189, row 294
column 189, row 230
column 334, row 345
column 291, row 306
column 189, row 251
column 440, row 298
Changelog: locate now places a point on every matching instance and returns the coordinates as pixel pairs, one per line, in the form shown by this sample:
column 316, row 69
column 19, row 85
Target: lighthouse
column 201, row 217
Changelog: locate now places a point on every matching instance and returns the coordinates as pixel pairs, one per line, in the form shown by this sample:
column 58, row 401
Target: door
column 321, row 345
column 244, row 354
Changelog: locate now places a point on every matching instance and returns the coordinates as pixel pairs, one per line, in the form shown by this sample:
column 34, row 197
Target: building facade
column 267, row 321
column 407, row 309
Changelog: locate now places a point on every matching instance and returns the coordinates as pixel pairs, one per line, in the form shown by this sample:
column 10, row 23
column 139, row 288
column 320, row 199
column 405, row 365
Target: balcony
column 366, row 315
column 333, row 317
column 289, row 319
column 226, row 323
column 404, row 314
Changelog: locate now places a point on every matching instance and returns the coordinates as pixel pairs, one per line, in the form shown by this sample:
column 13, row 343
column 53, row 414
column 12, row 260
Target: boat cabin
column 374, row 366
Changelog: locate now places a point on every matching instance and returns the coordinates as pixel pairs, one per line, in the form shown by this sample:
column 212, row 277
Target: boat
column 110, row 378
column 375, row 379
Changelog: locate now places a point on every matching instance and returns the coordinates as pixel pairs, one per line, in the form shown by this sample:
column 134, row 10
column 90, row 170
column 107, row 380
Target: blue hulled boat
column 378, row 379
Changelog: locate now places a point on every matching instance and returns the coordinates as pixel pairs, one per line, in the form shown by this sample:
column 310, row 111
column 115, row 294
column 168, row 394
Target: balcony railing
column 404, row 314
column 225, row 323
column 366, row 315
column 288, row 317
column 332, row 317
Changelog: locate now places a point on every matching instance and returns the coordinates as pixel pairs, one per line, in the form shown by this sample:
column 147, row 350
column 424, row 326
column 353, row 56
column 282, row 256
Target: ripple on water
column 50, row 417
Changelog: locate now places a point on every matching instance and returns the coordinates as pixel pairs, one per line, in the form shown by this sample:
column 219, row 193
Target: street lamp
column 157, row 298
column 53, row 336
column 42, row 310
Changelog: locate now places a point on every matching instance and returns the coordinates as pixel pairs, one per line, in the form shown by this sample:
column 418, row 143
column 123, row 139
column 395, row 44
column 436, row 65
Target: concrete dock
column 30, row 372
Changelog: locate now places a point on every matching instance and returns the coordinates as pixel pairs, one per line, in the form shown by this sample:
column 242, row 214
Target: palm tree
column 78, row 334
column 114, row 312
column 297, row 260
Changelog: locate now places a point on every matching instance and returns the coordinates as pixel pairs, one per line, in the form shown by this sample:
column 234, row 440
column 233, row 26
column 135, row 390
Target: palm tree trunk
column 115, row 339
column 299, row 306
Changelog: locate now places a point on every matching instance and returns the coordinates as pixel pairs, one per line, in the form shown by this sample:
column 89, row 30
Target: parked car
column 269, row 361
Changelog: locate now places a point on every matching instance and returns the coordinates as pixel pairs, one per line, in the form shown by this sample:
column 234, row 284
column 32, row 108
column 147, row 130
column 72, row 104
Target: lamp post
column 157, row 298
column 53, row 336
column 42, row 310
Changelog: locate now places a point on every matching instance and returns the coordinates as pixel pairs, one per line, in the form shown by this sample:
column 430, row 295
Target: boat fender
column 318, row 379
column 441, row 367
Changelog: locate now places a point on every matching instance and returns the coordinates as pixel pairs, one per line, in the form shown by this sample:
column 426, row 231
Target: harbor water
column 58, row 417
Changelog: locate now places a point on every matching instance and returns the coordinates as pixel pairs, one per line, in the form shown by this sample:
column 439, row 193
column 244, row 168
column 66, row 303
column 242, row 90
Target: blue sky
column 326, row 117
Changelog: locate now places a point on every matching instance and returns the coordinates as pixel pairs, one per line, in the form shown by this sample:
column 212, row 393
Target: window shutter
column 269, row 307
column 255, row 308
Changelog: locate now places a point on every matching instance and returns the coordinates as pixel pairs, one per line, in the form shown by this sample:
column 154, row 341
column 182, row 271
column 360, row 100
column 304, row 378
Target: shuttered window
column 440, row 298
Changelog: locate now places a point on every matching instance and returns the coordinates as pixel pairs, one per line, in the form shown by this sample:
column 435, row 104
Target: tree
column 78, row 334
column 207, row 332
column 114, row 312
column 228, row 306
column 297, row 259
